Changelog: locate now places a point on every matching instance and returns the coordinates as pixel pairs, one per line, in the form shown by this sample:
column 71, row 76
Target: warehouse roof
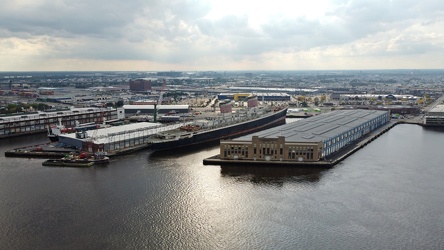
column 437, row 110
column 119, row 133
column 158, row 106
column 318, row 128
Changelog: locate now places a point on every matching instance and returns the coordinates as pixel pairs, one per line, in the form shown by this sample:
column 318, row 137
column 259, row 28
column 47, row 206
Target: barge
column 210, row 131
column 81, row 160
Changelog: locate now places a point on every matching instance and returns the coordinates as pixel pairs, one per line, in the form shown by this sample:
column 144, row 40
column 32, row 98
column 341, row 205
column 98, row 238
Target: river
column 389, row 195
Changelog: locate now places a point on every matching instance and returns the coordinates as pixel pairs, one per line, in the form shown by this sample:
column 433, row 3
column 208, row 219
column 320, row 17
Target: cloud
column 210, row 34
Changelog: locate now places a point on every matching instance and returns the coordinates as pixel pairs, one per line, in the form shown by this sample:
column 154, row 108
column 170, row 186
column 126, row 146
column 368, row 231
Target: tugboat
column 83, row 160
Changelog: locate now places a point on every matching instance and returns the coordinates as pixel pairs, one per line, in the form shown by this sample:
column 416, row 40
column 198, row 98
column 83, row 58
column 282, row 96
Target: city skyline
column 190, row 35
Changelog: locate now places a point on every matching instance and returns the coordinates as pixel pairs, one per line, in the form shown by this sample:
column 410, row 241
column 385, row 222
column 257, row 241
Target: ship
column 230, row 126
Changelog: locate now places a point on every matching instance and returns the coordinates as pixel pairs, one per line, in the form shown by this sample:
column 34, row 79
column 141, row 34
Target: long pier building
column 17, row 125
column 309, row 140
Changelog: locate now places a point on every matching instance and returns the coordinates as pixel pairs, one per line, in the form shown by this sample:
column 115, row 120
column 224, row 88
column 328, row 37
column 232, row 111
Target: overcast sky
column 181, row 35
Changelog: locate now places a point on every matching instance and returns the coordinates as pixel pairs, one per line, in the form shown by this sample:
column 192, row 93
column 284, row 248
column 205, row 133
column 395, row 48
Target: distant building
column 140, row 85
column 131, row 110
column 393, row 109
column 170, row 73
column 311, row 139
column 260, row 96
column 435, row 116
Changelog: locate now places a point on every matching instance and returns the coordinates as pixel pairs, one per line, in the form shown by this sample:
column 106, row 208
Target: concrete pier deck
column 332, row 159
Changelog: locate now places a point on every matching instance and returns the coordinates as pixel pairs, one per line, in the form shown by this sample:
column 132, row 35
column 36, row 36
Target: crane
column 159, row 102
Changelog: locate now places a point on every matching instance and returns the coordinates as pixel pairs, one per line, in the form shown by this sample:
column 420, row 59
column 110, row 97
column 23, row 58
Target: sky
column 216, row 35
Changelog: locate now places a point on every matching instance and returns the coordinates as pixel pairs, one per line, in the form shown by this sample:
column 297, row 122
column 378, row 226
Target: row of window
column 334, row 144
column 40, row 125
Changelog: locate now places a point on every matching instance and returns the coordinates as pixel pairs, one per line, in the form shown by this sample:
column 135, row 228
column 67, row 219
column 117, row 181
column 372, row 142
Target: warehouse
column 261, row 96
column 131, row 110
column 435, row 116
column 309, row 140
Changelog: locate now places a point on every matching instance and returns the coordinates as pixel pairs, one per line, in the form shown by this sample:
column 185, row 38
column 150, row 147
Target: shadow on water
column 437, row 129
column 20, row 141
column 272, row 175
column 182, row 151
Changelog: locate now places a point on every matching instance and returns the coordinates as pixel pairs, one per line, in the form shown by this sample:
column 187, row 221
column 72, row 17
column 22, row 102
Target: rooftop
column 437, row 109
column 318, row 128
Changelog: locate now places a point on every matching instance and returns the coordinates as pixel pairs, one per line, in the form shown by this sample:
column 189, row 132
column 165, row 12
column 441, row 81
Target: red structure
column 252, row 102
column 226, row 108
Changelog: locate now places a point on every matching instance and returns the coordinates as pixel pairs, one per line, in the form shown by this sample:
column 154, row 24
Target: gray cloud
column 178, row 31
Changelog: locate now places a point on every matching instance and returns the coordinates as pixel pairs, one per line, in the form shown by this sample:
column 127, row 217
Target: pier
column 332, row 159
column 55, row 150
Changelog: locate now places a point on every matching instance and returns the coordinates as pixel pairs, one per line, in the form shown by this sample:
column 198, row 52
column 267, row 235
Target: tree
column 316, row 101
column 12, row 108
column 119, row 104
column 323, row 98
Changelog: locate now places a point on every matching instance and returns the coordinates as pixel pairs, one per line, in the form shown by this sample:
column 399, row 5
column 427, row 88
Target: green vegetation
column 24, row 107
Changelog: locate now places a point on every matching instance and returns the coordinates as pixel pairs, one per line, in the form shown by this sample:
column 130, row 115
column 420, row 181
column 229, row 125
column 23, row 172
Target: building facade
column 260, row 96
column 140, row 85
column 312, row 139
column 40, row 122
column 435, row 116
column 131, row 110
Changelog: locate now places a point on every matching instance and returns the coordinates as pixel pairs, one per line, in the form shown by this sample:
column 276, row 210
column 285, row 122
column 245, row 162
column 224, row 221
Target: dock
column 331, row 161
column 53, row 150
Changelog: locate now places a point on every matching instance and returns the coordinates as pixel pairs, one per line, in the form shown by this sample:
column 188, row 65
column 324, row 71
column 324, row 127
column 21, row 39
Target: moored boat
column 81, row 160
column 234, row 126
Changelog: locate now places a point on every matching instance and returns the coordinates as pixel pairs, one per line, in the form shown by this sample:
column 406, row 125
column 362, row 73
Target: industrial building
column 309, row 140
column 116, row 138
column 39, row 122
column 131, row 110
column 260, row 96
column 435, row 116
column 140, row 85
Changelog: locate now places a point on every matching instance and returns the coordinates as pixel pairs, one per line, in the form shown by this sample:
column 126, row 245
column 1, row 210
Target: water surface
column 388, row 195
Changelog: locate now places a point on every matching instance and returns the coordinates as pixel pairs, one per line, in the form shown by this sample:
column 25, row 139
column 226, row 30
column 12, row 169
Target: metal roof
column 438, row 109
column 52, row 114
column 122, row 132
column 318, row 128
column 158, row 106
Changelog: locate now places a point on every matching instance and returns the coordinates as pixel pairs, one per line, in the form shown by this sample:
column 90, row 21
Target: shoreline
column 49, row 150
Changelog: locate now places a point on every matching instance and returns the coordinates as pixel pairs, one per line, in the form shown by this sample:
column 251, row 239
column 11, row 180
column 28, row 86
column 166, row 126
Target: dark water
column 390, row 195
